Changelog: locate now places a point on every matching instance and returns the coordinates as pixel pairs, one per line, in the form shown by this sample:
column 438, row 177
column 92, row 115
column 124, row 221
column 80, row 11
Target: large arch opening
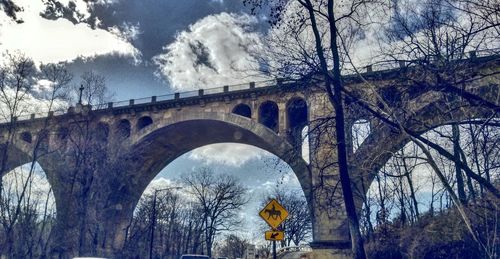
column 243, row 144
column 269, row 115
column 168, row 197
column 177, row 138
column 28, row 212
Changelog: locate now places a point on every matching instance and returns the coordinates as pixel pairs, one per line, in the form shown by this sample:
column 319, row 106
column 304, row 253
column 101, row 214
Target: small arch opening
column 123, row 128
column 143, row 122
column 26, row 137
column 243, row 110
column 268, row 115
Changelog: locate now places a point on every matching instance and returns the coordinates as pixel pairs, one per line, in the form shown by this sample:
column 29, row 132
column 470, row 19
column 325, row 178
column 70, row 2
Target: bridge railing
column 121, row 104
column 216, row 90
column 397, row 64
column 166, row 97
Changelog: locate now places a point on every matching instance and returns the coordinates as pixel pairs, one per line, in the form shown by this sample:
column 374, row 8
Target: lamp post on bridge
column 153, row 217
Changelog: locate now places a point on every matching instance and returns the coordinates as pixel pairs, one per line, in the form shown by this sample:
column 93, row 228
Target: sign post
column 274, row 214
column 274, row 249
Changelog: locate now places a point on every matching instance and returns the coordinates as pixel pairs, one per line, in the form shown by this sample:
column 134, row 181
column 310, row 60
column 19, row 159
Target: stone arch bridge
column 100, row 160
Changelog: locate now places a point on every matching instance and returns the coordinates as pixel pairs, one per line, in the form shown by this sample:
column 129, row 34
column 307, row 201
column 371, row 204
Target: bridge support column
column 331, row 238
column 88, row 228
column 94, row 209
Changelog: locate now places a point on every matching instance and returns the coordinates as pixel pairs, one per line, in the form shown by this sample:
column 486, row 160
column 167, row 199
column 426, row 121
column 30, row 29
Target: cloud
column 29, row 104
column 52, row 41
column 215, row 51
column 230, row 154
column 127, row 31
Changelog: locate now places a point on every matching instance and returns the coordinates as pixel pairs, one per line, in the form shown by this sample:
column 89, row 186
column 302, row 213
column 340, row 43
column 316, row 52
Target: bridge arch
column 169, row 139
column 16, row 157
column 366, row 164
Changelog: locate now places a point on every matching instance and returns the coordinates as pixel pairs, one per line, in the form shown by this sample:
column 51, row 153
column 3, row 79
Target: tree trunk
column 458, row 168
column 335, row 82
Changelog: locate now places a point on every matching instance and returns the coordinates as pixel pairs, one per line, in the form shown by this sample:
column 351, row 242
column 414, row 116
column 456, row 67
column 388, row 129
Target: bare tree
column 233, row 247
column 220, row 198
column 95, row 92
column 178, row 228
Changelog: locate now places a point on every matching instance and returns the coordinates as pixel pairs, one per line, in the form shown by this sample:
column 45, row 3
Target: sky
column 156, row 47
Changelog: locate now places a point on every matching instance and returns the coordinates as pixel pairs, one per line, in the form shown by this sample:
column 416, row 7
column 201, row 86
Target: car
column 194, row 256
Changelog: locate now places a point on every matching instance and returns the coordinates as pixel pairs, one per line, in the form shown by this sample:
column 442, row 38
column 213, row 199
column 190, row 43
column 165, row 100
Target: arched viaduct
column 99, row 161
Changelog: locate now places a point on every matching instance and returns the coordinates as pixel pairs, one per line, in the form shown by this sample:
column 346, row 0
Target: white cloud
column 215, row 51
column 51, row 41
column 230, row 154
column 29, row 104
column 80, row 7
column 127, row 31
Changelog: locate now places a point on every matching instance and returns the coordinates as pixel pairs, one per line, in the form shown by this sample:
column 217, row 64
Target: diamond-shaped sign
column 273, row 213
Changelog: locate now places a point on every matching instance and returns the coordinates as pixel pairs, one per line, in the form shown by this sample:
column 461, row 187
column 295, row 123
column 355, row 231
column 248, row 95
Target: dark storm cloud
column 202, row 55
column 158, row 21
column 156, row 24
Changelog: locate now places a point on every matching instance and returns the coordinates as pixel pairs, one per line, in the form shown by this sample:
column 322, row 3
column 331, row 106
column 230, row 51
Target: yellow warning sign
column 274, row 214
column 275, row 235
